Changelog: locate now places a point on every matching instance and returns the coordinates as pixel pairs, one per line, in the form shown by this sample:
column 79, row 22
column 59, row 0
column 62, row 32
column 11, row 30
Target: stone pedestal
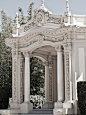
column 26, row 107
column 58, row 105
column 67, row 105
column 48, row 105
column 14, row 106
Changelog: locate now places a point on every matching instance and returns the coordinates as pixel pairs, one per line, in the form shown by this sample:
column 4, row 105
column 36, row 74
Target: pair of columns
column 64, row 89
column 60, row 77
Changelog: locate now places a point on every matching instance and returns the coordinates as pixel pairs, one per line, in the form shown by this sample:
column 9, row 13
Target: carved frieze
column 67, row 75
column 54, row 20
column 50, row 81
column 21, row 79
column 40, row 18
column 40, row 38
column 15, row 79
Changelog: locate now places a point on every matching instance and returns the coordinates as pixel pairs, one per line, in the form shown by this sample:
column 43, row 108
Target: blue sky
column 55, row 6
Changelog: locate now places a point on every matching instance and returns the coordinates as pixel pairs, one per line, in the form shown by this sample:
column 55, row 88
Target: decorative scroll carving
column 40, row 18
column 67, row 75
column 50, row 81
column 59, row 113
column 26, row 54
column 46, row 63
column 40, row 39
column 21, row 80
column 15, row 79
column 58, row 48
column 54, row 20
column 53, row 39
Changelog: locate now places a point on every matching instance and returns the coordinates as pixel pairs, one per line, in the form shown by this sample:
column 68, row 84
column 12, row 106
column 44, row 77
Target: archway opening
column 37, row 82
column 48, row 95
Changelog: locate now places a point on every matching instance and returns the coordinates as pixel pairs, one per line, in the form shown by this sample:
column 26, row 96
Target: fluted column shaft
column 46, row 81
column 27, row 78
column 60, row 80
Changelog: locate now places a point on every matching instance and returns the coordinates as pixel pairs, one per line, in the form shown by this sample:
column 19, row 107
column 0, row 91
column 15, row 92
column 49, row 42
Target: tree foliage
column 5, row 52
column 37, row 68
column 37, row 76
column 30, row 11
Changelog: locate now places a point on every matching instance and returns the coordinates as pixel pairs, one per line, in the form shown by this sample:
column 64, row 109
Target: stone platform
column 40, row 112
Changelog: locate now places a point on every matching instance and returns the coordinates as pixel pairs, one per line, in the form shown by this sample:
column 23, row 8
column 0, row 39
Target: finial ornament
column 42, row 2
column 16, row 18
column 67, row 5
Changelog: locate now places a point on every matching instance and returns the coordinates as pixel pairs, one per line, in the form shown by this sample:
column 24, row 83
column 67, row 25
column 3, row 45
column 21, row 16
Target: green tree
column 22, row 18
column 30, row 11
column 37, row 76
column 37, row 68
column 5, row 53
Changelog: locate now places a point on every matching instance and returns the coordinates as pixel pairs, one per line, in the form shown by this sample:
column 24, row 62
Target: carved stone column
column 26, row 106
column 68, row 79
column 60, row 79
column 51, row 79
column 27, row 78
column 20, row 77
column 14, row 103
column 46, row 81
column 54, row 78
column 48, row 86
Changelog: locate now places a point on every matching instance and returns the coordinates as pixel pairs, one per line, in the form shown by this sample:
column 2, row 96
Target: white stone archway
column 61, row 41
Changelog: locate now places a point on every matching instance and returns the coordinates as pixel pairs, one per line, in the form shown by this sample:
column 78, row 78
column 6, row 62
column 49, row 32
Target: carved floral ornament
column 26, row 54
column 40, row 18
column 67, row 46
column 58, row 48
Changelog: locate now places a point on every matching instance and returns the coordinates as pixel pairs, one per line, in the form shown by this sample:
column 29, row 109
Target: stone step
column 40, row 112
column 35, row 114
column 43, row 111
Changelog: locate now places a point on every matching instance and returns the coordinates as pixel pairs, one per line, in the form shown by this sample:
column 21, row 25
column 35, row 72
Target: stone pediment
column 41, row 18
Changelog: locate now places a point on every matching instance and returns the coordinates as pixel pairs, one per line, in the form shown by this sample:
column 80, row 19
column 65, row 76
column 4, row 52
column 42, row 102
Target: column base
column 58, row 105
column 67, row 105
column 26, row 107
column 48, row 105
column 62, row 111
column 14, row 106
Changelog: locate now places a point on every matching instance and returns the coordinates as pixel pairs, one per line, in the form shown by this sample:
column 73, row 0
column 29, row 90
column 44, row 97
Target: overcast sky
column 55, row 6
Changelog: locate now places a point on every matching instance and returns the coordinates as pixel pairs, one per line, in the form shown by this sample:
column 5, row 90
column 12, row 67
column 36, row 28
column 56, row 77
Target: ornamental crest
column 40, row 18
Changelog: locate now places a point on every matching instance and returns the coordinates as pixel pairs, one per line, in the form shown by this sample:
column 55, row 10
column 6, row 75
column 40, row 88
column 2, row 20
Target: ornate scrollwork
column 50, row 80
column 58, row 48
column 15, row 79
column 40, row 18
column 26, row 54
column 67, row 75
column 21, row 80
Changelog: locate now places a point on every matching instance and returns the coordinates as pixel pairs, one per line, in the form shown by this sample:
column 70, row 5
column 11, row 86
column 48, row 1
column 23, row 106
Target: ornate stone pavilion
column 60, row 42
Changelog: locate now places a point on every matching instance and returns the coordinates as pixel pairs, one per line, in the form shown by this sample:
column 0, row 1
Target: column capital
column 46, row 63
column 58, row 48
column 26, row 54
column 20, row 54
column 67, row 46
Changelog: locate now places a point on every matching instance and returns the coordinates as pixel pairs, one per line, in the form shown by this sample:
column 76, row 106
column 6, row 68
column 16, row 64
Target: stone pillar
column 54, row 78
column 26, row 106
column 60, row 82
column 60, row 79
column 48, row 86
column 15, row 61
column 68, row 78
column 20, row 77
column 27, row 78
column 46, row 82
